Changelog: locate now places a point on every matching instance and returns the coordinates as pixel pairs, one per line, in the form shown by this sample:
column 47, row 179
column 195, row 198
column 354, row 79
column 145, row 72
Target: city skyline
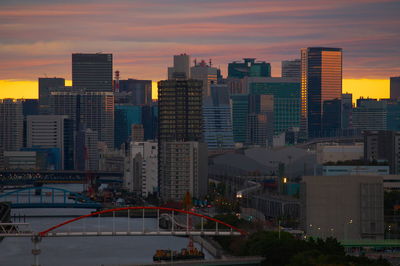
column 142, row 36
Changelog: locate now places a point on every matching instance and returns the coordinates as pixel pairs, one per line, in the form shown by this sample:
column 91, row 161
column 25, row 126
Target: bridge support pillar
column 36, row 250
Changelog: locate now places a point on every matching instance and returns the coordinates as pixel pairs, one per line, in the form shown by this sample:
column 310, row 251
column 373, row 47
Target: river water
column 86, row 251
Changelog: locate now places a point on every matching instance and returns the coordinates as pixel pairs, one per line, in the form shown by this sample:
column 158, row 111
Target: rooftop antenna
column 210, row 62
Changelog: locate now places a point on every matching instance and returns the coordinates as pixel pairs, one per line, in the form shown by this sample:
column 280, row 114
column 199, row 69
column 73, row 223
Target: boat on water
column 184, row 254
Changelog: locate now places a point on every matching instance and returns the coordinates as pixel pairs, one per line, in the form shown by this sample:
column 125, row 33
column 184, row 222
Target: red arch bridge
column 182, row 223
column 96, row 228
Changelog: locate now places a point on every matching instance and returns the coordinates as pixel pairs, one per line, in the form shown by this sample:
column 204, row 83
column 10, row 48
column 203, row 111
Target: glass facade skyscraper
column 92, row 71
column 125, row 116
column 240, row 110
column 321, row 80
column 286, row 94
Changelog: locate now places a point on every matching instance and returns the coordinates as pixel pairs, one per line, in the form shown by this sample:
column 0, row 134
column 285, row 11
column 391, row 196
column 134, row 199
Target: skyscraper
column 45, row 87
column 347, row 111
column 181, row 67
column 370, row 114
column 249, row 68
column 87, row 109
column 218, row 132
column 92, row 71
column 134, row 91
column 395, row 88
column 11, row 124
column 321, row 80
column 291, row 68
column 286, row 92
column 259, row 129
column 180, row 133
column 205, row 73
column 240, row 110
column 180, row 110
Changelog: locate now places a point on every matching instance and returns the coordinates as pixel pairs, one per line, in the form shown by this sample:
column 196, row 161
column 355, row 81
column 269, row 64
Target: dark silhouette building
column 92, row 71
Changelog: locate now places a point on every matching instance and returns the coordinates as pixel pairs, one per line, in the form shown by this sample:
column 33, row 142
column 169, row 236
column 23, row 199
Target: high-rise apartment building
column 46, row 85
column 184, row 169
column 395, row 88
column 180, row 110
column 321, row 80
column 141, row 175
column 180, row 124
column 181, row 67
column 92, row 71
column 291, row 69
column 205, row 73
column 11, row 124
column 52, row 131
column 383, row 146
column 249, row 68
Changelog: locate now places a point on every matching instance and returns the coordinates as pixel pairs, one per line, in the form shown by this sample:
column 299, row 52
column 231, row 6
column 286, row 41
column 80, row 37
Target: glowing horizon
column 367, row 88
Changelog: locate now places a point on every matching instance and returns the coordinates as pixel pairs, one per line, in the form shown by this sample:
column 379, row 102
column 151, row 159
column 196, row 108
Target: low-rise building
column 344, row 207
column 333, row 152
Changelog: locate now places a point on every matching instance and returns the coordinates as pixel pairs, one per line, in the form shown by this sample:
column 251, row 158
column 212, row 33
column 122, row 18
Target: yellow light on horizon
column 372, row 88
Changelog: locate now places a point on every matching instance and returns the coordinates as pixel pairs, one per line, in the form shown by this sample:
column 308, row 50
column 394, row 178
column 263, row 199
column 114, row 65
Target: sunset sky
column 38, row 37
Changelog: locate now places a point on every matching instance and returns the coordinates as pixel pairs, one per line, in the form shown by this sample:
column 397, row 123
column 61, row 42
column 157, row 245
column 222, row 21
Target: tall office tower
column 137, row 132
column 150, row 121
column 45, row 87
column 286, row 92
column 142, row 175
column 249, row 68
column 218, row 132
column 52, row 131
column 370, row 114
column 331, row 118
column 240, row 110
column 88, row 109
column 11, row 124
column 134, row 91
column 347, row 111
column 97, row 113
column 183, row 170
column 393, row 114
column 92, row 150
column 395, row 88
column 321, row 80
column 180, row 121
column 1, row 156
column 206, row 73
column 181, row 67
column 260, row 120
column 291, row 69
column 383, row 146
column 92, row 71
column 126, row 115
